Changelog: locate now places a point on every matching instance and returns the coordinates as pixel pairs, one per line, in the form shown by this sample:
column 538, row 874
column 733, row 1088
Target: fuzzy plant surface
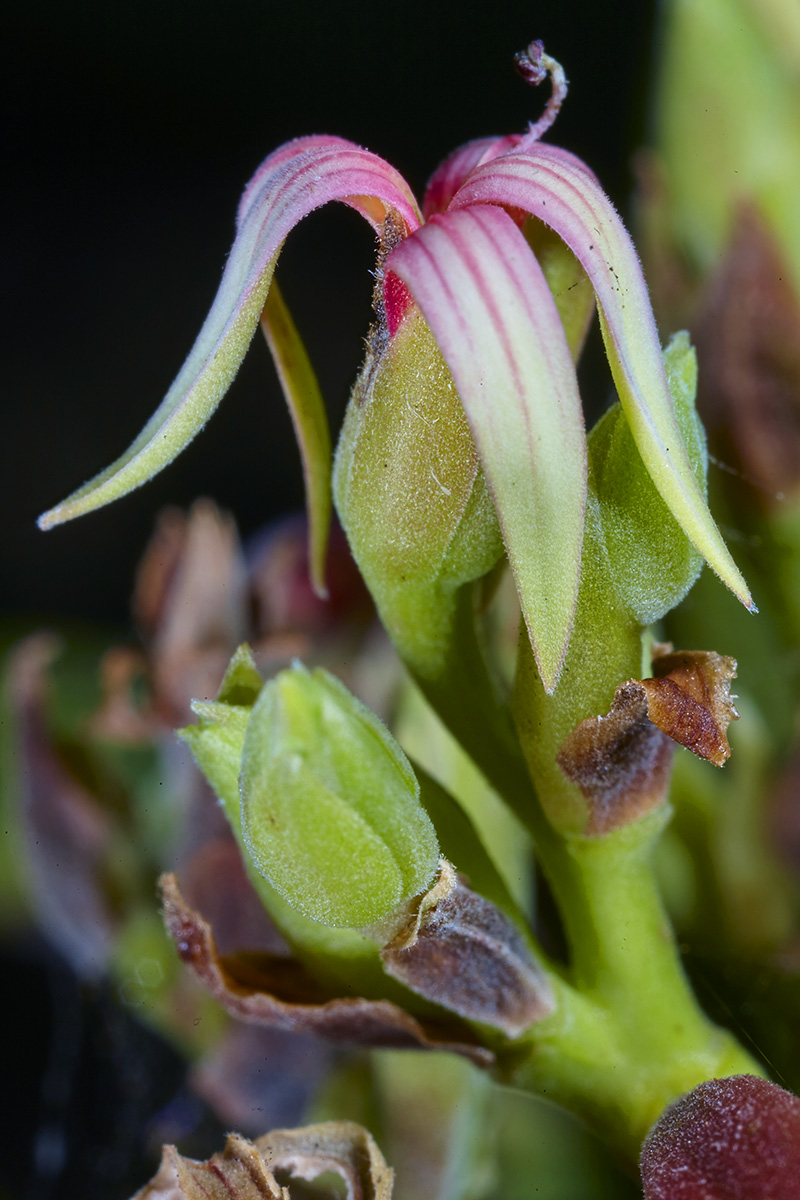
column 476, row 504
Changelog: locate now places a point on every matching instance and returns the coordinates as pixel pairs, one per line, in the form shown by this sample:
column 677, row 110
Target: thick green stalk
column 631, row 1037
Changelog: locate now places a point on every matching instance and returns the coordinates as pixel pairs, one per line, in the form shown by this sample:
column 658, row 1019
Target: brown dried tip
column 729, row 1139
column 463, row 953
column 748, row 339
column 246, row 1170
column 690, row 700
column 621, row 761
column 274, row 991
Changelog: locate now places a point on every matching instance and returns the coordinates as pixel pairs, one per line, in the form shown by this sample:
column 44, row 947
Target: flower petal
column 311, row 427
column 301, row 181
column 453, row 172
column 562, row 192
column 486, row 300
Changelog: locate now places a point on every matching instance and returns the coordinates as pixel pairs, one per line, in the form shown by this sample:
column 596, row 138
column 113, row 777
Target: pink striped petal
column 452, row 173
column 558, row 189
column 369, row 205
column 283, row 154
column 486, row 300
column 302, row 180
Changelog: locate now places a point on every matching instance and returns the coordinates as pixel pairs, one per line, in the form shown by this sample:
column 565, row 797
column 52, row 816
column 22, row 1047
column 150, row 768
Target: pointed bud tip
column 550, row 664
column 48, row 519
column 549, row 675
column 320, row 589
column 741, row 591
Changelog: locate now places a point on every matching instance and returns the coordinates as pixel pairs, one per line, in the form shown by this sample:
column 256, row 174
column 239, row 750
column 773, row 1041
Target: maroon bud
column 729, row 1139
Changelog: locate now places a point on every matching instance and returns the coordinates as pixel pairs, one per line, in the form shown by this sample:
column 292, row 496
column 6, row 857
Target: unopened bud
column 733, row 1139
column 330, row 805
column 651, row 561
column 410, row 492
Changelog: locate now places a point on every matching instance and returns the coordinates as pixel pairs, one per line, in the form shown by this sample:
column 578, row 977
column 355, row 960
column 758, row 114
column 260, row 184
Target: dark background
column 132, row 129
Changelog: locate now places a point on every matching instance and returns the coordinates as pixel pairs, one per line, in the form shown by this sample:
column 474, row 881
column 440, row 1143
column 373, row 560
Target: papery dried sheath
column 245, row 1170
column 460, row 951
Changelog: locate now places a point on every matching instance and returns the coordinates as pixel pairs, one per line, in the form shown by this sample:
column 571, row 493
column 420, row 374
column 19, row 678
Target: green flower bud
column 410, row 493
column 651, row 562
column 422, row 526
column 336, row 957
column 330, row 805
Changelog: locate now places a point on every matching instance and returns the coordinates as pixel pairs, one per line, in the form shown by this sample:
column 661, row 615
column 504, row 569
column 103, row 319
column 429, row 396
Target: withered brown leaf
column 190, row 605
column 277, row 992
column 245, row 1170
column 67, row 834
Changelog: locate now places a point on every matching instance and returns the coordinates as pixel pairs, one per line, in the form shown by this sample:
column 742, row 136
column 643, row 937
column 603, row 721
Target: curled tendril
column 534, row 65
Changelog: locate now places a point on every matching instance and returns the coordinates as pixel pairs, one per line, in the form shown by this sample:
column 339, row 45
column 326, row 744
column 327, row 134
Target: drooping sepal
column 554, row 186
column 296, row 180
column 486, row 300
column 310, row 420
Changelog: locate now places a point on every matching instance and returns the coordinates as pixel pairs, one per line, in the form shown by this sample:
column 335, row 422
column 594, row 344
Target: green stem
column 631, row 1037
column 464, row 696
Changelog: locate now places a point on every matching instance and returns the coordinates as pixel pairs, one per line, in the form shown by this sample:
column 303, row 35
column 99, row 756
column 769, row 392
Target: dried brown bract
column 275, row 991
column 246, row 1170
column 463, row 953
column 690, row 700
column 621, row 761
